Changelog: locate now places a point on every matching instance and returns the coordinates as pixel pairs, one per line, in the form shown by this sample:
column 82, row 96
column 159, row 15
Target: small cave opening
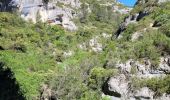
column 9, row 88
column 106, row 91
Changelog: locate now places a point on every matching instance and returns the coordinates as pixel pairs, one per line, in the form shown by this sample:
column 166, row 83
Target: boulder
column 144, row 94
column 118, row 85
column 165, row 64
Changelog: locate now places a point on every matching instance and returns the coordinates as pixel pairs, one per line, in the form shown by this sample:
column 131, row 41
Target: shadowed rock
column 9, row 88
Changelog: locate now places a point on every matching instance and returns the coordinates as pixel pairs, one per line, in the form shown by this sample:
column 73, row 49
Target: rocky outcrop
column 52, row 11
column 128, row 20
column 120, row 87
column 161, row 1
column 5, row 5
column 148, row 7
column 144, row 94
column 165, row 65
column 145, row 69
column 93, row 44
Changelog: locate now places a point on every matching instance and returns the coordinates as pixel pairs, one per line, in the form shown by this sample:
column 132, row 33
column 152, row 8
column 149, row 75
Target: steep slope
column 27, row 50
column 51, row 11
column 103, row 59
column 38, row 53
column 143, row 54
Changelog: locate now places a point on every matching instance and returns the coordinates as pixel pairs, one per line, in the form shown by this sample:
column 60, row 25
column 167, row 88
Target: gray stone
column 119, row 85
column 165, row 64
column 144, row 93
column 33, row 10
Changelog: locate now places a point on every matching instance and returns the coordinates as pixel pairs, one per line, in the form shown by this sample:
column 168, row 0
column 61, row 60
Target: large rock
column 165, row 64
column 53, row 12
column 128, row 20
column 144, row 94
column 144, row 70
column 119, row 86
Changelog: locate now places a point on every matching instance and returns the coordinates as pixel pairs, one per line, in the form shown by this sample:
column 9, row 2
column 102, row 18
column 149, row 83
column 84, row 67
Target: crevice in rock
column 139, row 98
column 127, row 20
column 156, row 24
column 141, row 15
column 106, row 91
column 9, row 88
column 4, row 5
column 1, row 48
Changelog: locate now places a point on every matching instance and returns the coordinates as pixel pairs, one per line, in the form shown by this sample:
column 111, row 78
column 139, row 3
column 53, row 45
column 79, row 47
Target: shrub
column 98, row 76
column 165, row 28
column 158, row 85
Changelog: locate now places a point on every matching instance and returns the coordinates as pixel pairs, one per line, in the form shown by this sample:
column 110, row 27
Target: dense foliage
column 35, row 53
column 26, row 50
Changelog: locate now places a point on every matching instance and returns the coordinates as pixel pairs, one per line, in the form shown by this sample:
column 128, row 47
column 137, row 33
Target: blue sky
column 128, row 2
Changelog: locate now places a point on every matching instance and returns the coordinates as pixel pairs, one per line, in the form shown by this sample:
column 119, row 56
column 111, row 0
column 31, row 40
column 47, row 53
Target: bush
column 98, row 76
column 145, row 49
column 27, row 50
column 161, row 19
column 165, row 28
column 159, row 86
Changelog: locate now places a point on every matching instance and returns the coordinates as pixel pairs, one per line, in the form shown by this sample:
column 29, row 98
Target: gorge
column 84, row 50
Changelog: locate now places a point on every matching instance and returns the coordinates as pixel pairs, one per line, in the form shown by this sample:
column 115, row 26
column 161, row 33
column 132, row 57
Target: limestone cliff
column 52, row 11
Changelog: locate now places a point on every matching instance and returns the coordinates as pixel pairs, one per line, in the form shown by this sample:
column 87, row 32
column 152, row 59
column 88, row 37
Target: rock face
column 52, row 11
column 165, row 65
column 160, row 1
column 144, row 1
column 5, row 5
column 128, row 20
column 119, row 87
column 144, row 93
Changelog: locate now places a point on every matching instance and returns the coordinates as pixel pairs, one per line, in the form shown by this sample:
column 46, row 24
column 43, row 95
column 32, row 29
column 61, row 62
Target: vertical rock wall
column 52, row 11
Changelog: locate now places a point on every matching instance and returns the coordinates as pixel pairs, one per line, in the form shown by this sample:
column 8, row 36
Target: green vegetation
column 80, row 79
column 26, row 49
column 35, row 52
column 158, row 85
column 154, row 43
